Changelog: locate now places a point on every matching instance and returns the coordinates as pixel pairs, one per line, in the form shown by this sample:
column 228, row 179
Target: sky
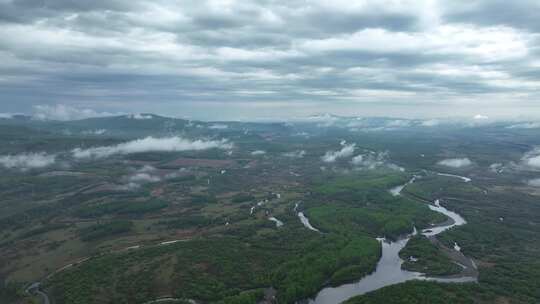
column 229, row 60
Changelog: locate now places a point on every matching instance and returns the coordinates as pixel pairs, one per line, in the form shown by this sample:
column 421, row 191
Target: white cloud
column 295, row 154
column 532, row 159
column 258, row 152
column 144, row 178
column 140, row 116
column 430, row 123
column 374, row 160
column 480, row 117
column 347, row 150
column 455, row 162
column 65, row 112
column 27, row 160
column 95, row 132
column 151, row 144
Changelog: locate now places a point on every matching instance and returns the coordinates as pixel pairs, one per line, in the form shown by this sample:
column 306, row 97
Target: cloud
column 218, row 126
column 373, row 160
column 27, row 161
column 144, row 178
column 430, row 123
column 455, row 162
column 6, row 115
column 295, row 154
column 398, row 123
column 258, row 152
column 480, row 117
column 65, row 112
column 151, row 144
column 531, row 159
column 526, row 125
column 95, row 132
column 496, row 167
column 417, row 58
column 534, row 182
column 140, row 116
column 347, row 150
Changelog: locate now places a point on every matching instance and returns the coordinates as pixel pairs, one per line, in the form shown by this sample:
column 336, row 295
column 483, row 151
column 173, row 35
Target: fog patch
column 372, row 160
column 27, row 161
column 140, row 116
column 430, row 123
column 295, row 154
column 347, row 150
column 258, row 152
column 496, row 168
column 144, row 178
column 64, row 113
column 94, row 132
column 148, row 174
column 152, row 144
column 531, row 159
column 455, row 162
column 398, row 123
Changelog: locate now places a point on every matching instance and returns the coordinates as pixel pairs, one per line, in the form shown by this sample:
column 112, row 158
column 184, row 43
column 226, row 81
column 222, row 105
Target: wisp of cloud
column 27, row 161
column 152, row 144
column 455, row 162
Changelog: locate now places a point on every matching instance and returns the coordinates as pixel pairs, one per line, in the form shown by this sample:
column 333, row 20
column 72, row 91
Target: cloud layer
column 534, row 182
column 27, row 161
column 284, row 56
column 347, row 150
column 151, row 144
column 65, row 112
column 532, row 159
column 455, row 162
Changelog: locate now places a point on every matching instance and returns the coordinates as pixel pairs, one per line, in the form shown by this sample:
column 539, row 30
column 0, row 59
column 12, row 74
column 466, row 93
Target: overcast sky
column 226, row 59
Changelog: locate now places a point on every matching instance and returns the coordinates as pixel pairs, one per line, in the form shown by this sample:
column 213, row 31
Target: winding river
column 388, row 270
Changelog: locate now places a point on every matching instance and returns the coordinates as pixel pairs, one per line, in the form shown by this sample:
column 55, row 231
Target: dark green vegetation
column 416, row 292
column 361, row 204
column 120, row 207
column 430, row 259
column 99, row 231
column 216, row 249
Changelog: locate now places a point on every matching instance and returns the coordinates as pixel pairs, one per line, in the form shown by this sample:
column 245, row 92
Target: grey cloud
column 114, row 55
column 495, row 12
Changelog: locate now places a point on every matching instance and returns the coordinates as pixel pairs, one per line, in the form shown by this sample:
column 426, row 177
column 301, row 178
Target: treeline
column 100, row 231
column 121, row 207
column 186, row 222
column 43, row 229
column 422, row 292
